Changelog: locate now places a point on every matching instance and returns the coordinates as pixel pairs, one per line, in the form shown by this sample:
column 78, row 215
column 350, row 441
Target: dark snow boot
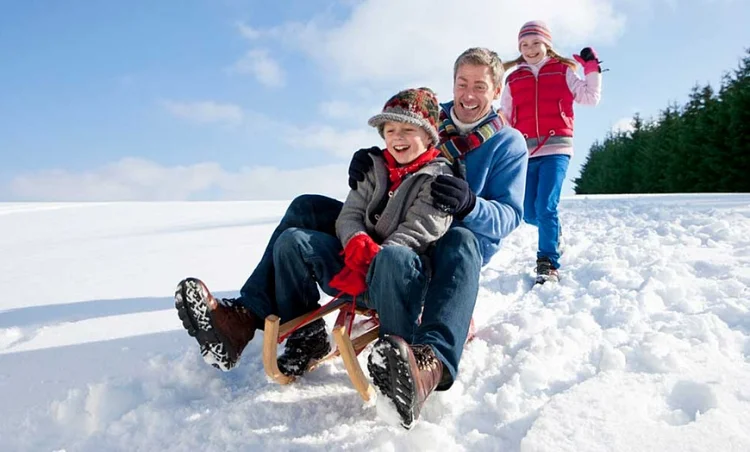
column 406, row 374
column 307, row 344
column 545, row 271
column 222, row 327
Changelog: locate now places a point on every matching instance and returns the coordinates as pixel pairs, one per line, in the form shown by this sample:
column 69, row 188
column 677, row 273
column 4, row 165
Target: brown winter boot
column 222, row 327
column 406, row 374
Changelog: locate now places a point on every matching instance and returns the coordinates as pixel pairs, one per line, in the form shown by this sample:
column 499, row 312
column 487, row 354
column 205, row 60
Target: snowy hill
column 644, row 344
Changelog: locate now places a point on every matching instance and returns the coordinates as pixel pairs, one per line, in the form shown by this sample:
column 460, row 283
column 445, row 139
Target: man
column 409, row 363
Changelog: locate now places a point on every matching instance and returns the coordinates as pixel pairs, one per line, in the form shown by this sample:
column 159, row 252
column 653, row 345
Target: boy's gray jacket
column 409, row 218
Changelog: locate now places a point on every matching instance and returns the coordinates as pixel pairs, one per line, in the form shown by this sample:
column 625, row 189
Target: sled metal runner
column 350, row 339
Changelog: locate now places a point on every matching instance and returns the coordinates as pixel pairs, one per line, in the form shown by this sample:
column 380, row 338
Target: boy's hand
column 360, row 251
column 349, row 281
column 361, row 164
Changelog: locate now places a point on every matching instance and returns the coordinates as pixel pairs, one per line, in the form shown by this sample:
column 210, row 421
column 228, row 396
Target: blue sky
column 241, row 99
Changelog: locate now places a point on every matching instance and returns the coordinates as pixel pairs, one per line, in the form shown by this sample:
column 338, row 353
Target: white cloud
column 259, row 64
column 354, row 112
column 337, row 109
column 132, row 179
column 205, row 112
column 623, row 125
column 413, row 47
column 248, row 31
column 340, row 143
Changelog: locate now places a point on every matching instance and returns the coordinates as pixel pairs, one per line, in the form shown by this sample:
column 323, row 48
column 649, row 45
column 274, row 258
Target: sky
column 643, row 345
column 257, row 100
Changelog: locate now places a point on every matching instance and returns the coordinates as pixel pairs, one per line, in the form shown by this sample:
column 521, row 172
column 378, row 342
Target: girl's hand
column 589, row 60
column 589, row 54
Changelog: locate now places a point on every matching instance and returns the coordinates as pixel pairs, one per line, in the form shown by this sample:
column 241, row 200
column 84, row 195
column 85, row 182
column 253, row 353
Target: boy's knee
column 395, row 256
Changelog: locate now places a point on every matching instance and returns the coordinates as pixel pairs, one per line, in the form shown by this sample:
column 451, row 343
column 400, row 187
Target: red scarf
column 396, row 173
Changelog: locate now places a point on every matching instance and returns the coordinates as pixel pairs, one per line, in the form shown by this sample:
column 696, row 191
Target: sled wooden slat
column 346, row 347
column 363, row 340
column 299, row 322
column 349, row 356
column 270, row 344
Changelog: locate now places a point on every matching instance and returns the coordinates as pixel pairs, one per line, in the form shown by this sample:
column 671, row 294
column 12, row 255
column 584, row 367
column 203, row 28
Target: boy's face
column 405, row 142
column 473, row 92
column 533, row 49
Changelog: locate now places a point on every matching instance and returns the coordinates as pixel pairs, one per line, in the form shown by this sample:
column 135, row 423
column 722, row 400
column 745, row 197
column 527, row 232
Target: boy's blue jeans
column 544, row 179
column 442, row 285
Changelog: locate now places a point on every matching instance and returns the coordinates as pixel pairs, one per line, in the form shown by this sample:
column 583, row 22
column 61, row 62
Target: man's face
column 473, row 92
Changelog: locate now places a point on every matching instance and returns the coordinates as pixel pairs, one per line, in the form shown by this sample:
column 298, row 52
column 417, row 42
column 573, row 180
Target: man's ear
column 498, row 90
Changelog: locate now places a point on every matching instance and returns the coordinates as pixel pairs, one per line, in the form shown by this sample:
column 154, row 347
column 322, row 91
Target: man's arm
column 500, row 208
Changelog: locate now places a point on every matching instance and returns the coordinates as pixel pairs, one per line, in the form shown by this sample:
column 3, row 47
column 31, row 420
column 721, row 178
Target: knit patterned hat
column 535, row 28
column 412, row 106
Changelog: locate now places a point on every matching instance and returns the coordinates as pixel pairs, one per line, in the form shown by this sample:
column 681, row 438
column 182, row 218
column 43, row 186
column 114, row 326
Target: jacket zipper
column 536, row 103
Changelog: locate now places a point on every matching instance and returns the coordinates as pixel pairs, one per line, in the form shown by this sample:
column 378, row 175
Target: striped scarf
column 453, row 145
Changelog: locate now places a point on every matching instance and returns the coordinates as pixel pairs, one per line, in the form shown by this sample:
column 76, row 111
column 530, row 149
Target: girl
column 538, row 102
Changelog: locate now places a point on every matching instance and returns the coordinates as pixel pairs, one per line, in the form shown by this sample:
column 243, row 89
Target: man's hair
column 481, row 56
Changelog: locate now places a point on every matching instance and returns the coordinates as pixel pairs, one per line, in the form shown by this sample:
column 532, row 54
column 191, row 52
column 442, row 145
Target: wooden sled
column 347, row 344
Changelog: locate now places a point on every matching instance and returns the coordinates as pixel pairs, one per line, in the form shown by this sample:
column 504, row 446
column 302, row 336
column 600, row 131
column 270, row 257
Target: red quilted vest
column 542, row 105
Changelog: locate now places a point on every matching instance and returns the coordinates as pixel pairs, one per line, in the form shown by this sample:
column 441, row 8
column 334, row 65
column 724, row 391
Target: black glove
column 361, row 164
column 589, row 60
column 452, row 194
column 589, row 54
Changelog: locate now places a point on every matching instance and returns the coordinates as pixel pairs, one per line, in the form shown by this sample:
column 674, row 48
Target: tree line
column 703, row 146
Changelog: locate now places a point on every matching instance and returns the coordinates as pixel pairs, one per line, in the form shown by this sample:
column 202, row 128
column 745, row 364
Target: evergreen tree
column 701, row 147
column 737, row 157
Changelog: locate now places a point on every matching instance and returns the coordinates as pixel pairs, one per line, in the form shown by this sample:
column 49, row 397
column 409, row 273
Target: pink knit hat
column 535, row 28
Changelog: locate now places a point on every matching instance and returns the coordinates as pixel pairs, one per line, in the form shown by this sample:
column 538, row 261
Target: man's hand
column 361, row 164
column 453, row 195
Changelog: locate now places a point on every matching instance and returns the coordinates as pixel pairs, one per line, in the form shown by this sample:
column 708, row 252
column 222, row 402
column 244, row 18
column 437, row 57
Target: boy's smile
column 405, row 142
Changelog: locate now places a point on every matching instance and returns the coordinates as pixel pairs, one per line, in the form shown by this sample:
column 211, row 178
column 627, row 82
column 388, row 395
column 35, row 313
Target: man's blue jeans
column 442, row 285
column 544, row 179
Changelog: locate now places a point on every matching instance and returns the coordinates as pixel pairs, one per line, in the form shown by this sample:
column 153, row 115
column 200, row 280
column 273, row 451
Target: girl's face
column 533, row 49
column 405, row 142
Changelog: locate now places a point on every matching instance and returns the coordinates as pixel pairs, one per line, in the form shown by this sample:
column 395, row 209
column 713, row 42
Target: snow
column 643, row 345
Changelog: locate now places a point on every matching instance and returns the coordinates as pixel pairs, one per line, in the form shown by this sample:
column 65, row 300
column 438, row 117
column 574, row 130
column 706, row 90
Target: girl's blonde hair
column 551, row 53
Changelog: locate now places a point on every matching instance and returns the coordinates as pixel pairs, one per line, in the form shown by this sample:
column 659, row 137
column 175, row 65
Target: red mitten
column 349, row 281
column 360, row 251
